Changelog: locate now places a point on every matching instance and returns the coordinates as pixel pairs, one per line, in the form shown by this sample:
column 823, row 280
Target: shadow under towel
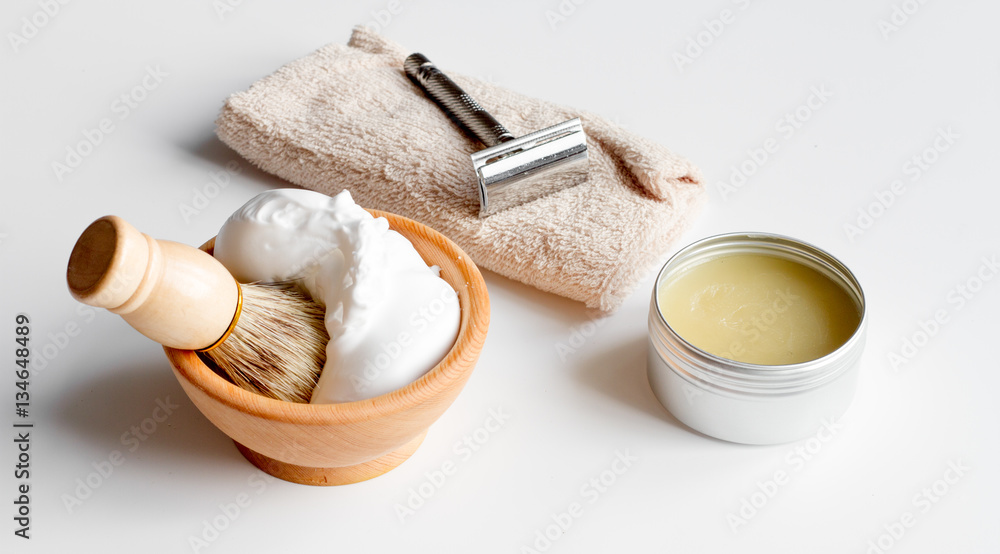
column 347, row 117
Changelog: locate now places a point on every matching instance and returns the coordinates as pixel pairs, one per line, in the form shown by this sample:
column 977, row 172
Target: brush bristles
column 278, row 347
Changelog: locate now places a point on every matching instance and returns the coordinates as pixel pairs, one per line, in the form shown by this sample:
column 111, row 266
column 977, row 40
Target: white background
column 574, row 391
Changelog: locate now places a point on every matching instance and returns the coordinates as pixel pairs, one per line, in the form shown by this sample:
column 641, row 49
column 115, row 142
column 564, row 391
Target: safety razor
column 511, row 171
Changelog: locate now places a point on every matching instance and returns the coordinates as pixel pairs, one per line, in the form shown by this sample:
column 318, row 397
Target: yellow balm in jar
column 758, row 308
column 755, row 338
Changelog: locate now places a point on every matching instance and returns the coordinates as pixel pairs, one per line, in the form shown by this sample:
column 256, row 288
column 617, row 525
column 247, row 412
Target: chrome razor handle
column 455, row 102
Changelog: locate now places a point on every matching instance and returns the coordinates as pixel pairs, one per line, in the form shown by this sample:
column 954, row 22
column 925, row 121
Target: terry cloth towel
column 347, row 117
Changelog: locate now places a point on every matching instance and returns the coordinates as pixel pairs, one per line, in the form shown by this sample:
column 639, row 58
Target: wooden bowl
column 336, row 444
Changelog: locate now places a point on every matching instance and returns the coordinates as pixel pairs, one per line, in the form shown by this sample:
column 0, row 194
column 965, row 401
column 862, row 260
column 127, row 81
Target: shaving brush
column 267, row 338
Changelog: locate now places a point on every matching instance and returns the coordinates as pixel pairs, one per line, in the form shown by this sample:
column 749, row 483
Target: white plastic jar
column 745, row 402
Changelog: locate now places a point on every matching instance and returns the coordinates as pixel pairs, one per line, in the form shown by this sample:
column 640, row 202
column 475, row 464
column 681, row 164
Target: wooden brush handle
column 174, row 294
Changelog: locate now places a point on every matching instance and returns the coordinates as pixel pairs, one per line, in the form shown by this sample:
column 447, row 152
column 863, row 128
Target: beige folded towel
column 348, row 117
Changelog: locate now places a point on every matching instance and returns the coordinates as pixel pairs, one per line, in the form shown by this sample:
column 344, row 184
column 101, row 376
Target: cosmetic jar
column 736, row 394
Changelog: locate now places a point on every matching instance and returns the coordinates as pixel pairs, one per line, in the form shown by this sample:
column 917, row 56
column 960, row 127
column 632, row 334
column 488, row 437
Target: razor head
column 523, row 169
